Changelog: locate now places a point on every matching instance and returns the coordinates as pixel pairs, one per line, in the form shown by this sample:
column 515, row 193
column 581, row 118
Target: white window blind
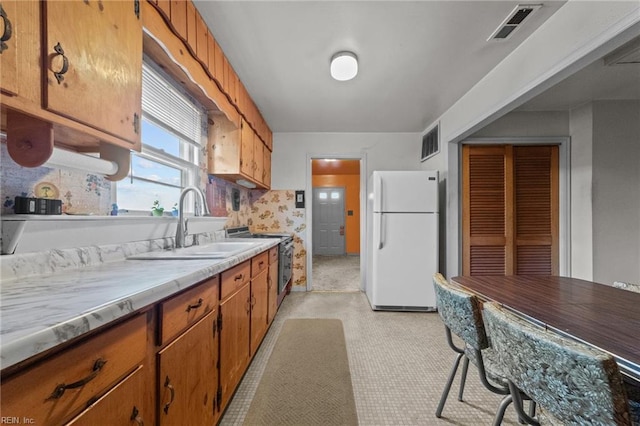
column 173, row 132
column 163, row 103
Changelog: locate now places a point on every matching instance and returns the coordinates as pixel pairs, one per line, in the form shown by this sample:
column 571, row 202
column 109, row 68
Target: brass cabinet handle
column 65, row 63
column 261, row 263
column 196, row 306
column 135, row 417
column 253, row 301
column 168, row 385
column 238, row 277
column 60, row 389
column 8, row 30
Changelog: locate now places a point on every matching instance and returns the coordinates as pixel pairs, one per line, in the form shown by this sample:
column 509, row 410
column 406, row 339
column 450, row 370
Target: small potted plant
column 174, row 210
column 157, row 209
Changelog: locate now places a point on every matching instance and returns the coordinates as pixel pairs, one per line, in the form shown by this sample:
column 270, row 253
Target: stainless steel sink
column 216, row 250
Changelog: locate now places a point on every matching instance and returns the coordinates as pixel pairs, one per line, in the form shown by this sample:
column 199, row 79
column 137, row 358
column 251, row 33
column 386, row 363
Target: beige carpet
column 307, row 379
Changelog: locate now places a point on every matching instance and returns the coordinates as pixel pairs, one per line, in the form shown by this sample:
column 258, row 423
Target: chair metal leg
column 463, row 378
column 519, row 406
column 447, row 387
column 532, row 408
column 497, row 420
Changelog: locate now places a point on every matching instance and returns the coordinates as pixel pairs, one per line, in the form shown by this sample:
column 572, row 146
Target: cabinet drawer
column 122, row 405
column 259, row 263
column 273, row 255
column 53, row 390
column 182, row 311
column 232, row 279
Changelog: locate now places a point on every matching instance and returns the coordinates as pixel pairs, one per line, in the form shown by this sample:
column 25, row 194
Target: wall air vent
column 430, row 143
column 513, row 21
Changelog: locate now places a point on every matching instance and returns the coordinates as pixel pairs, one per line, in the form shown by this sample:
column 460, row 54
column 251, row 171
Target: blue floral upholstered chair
column 573, row 384
column 461, row 313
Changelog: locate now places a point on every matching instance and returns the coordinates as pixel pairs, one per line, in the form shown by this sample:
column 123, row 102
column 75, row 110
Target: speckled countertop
column 49, row 298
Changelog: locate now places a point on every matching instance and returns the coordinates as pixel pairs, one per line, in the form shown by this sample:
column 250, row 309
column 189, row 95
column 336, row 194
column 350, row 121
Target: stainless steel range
column 285, row 253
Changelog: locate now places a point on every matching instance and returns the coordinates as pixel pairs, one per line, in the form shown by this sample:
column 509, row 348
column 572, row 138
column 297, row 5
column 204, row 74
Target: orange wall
column 351, row 183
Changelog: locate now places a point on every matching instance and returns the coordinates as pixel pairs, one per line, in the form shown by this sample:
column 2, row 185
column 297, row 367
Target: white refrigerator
column 402, row 240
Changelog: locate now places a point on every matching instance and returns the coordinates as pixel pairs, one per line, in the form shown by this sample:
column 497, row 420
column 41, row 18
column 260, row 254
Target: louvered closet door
column 510, row 210
column 536, row 210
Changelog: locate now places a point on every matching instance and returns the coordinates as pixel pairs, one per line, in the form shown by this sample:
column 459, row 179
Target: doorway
column 336, row 226
column 328, row 221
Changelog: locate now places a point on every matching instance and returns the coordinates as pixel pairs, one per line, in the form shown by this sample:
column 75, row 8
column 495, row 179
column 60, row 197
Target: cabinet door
column 234, row 341
column 258, row 158
column 246, row 149
column 93, row 69
column 122, row 405
column 94, row 365
column 20, row 51
column 266, row 165
column 259, row 309
column 272, row 285
column 187, row 376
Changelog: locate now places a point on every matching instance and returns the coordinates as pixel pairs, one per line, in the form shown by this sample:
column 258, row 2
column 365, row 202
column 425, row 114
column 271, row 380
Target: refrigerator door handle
column 380, row 200
column 381, row 242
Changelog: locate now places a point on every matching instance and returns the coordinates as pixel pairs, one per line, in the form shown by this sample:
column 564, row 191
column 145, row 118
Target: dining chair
column 571, row 382
column 461, row 314
column 627, row 286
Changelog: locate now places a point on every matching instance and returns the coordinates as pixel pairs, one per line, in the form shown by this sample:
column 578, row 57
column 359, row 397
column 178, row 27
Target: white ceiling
column 416, row 59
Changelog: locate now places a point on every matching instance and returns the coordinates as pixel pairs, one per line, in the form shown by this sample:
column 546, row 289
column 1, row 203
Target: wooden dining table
column 599, row 315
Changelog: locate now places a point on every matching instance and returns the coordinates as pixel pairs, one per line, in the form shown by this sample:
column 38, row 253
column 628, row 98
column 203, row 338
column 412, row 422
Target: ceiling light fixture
column 344, row 66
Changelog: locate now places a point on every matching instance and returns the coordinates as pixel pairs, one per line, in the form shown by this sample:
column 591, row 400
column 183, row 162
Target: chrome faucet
column 182, row 231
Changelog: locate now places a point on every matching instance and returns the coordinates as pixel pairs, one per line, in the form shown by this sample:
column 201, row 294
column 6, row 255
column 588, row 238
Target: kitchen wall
column 275, row 211
column 291, row 166
column 616, row 191
column 383, row 151
column 81, row 193
column 263, row 211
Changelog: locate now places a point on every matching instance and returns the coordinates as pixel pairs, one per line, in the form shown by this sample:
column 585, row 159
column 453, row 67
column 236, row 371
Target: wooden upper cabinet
column 165, row 7
column 246, row 149
column 202, row 40
column 220, row 67
column 266, row 164
column 179, row 17
column 93, row 71
column 192, row 27
column 258, row 159
column 19, row 60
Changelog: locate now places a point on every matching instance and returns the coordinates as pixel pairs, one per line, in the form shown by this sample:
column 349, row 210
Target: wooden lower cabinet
column 177, row 362
column 122, row 405
column 259, row 309
column 234, row 340
column 188, row 376
column 56, row 389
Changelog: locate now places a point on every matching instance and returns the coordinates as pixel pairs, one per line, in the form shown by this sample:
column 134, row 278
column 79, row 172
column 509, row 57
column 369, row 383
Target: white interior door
column 328, row 221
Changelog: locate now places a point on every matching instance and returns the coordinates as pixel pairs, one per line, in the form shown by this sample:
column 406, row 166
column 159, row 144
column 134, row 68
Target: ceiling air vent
column 625, row 55
column 513, row 21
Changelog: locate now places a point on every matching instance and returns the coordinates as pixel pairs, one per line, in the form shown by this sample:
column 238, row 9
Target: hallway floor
column 399, row 363
column 336, row 273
